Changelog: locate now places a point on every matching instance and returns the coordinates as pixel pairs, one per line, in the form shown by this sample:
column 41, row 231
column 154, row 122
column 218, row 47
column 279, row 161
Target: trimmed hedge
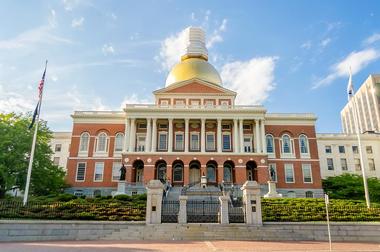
column 298, row 210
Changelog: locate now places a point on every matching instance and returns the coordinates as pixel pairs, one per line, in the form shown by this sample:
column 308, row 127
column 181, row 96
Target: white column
column 369, row 108
column 154, row 135
column 236, row 137
column 132, row 135
column 203, row 122
column 220, row 135
column 126, row 135
column 148, row 137
column 170, row 137
column 257, row 137
column 186, row 140
column 241, row 136
column 263, row 143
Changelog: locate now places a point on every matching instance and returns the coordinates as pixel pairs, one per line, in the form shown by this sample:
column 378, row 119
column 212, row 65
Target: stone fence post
column 182, row 214
column 252, row 203
column 154, row 202
column 224, row 209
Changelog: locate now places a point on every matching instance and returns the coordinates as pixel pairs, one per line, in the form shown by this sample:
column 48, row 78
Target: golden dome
column 193, row 67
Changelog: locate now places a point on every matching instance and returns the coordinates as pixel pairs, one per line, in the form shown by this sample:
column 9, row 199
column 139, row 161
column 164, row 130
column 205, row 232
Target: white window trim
column 304, row 155
column 101, row 153
column 95, row 172
column 303, row 174
column 327, row 164
column 225, row 134
column 214, row 145
column 158, row 142
column 183, row 140
column 122, row 143
column 294, row 178
column 113, row 180
column 137, row 140
column 164, row 103
column 287, row 155
column 192, row 133
column 250, row 141
column 85, row 171
column 84, row 153
column 270, row 154
column 275, row 169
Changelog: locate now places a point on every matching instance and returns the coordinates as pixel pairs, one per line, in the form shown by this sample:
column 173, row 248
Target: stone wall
column 26, row 230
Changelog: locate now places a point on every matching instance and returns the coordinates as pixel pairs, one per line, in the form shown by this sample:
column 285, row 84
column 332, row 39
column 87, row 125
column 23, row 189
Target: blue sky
column 290, row 56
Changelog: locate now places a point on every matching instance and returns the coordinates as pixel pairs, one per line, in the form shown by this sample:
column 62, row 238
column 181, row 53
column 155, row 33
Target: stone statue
column 272, row 174
column 123, row 171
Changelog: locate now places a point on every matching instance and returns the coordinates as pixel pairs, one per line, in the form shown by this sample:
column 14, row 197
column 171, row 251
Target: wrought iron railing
column 169, row 212
column 201, row 211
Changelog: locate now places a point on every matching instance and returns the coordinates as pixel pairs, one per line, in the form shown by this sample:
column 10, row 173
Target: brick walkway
column 184, row 246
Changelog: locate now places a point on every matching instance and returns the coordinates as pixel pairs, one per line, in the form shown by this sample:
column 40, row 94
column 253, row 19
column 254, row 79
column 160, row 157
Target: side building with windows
column 339, row 154
column 193, row 129
column 60, row 145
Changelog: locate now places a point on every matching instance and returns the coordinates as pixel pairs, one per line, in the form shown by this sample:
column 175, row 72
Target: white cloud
column 306, row 45
column 171, row 49
column 216, row 35
column 52, row 19
column 77, row 22
column 325, row 42
column 69, row 5
column 372, row 39
column 356, row 60
column 252, row 79
column 134, row 99
column 108, row 49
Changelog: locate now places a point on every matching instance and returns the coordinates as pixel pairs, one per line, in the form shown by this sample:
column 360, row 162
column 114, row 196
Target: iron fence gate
column 202, row 211
column 170, row 209
column 235, row 214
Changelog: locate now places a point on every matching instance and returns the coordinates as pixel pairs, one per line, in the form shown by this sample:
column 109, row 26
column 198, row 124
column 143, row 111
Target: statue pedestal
column 120, row 188
column 272, row 191
column 203, row 181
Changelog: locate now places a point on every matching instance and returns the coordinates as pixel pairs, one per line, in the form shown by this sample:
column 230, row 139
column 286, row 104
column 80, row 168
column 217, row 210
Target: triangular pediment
column 194, row 86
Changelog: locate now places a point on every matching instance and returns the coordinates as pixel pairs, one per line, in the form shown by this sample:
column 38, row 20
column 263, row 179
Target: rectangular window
column 330, row 164
column 247, row 144
column 342, row 149
column 194, row 145
column 343, row 163
column 116, row 171
column 289, row 173
column 180, row 104
column 328, row 149
column 81, row 171
column 368, row 149
column 371, row 164
column 226, row 126
column 194, row 104
column 140, row 144
column 210, row 141
column 357, row 164
column 179, row 141
column 58, row 148
column 162, row 141
column 162, row 126
column 99, row 170
column 56, row 160
column 209, row 104
column 355, row 149
column 306, row 172
column 142, row 126
column 226, row 142
column 164, row 103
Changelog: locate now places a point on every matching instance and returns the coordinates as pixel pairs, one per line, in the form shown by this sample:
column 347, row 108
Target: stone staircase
column 173, row 193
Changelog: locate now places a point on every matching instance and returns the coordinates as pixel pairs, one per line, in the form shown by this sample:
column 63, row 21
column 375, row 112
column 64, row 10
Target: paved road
column 183, row 246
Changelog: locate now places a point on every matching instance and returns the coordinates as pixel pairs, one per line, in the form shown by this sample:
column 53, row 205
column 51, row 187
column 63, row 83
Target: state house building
column 193, row 129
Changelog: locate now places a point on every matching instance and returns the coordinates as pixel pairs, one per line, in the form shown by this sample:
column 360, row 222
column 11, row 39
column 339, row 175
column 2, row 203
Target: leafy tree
column 349, row 186
column 15, row 144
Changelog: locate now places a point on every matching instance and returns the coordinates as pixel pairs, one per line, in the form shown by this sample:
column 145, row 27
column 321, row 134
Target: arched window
column 270, row 145
column 286, row 144
column 309, row 194
column 84, row 139
column 211, row 172
column 101, row 142
column 304, row 144
column 178, row 172
column 161, row 171
column 119, row 141
column 227, row 173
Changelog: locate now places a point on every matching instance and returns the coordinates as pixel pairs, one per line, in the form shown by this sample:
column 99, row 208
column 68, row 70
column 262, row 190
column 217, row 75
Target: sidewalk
column 184, row 246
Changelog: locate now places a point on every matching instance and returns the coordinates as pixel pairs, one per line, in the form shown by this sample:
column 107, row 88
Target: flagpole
column 352, row 98
column 26, row 193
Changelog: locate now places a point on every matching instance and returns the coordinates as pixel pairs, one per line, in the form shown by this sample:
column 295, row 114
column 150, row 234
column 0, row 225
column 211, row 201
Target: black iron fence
column 170, row 209
column 202, row 211
column 72, row 211
column 297, row 213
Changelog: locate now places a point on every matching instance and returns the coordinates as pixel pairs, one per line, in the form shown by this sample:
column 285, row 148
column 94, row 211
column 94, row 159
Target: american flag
column 42, row 82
